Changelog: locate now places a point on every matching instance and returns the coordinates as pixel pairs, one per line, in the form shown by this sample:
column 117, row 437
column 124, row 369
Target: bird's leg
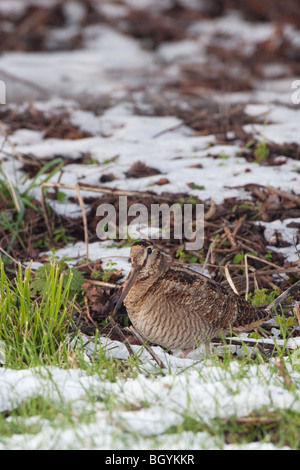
column 147, row 347
column 136, row 337
column 185, row 352
column 207, row 350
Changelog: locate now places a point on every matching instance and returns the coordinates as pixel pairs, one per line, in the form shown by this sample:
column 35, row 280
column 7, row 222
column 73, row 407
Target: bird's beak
column 132, row 277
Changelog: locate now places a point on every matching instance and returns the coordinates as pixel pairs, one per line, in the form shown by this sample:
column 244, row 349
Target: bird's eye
column 149, row 250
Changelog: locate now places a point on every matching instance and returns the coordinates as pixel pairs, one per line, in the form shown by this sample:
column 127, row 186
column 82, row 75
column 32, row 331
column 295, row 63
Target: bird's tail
column 248, row 317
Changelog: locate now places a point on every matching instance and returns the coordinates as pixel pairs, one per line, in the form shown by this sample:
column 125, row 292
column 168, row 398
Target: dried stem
column 147, row 347
column 121, row 335
column 282, row 297
column 230, row 281
column 84, row 219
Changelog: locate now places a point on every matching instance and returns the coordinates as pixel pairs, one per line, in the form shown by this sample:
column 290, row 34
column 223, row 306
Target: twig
column 11, row 188
column 281, row 298
column 200, row 115
column 230, row 236
column 255, row 419
column 246, row 243
column 87, row 187
column 14, row 150
column 297, row 312
column 247, row 276
column 270, row 283
column 263, row 260
column 261, row 272
column 84, row 218
column 10, row 257
column 106, row 190
column 207, row 256
column 103, row 284
column 229, row 279
column 8, row 242
column 256, row 287
column 264, row 342
column 238, row 226
column 283, row 372
column 147, row 347
column 260, row 331
column 211, row 210
column 86, row 303
column 123, row 338
column 277, row 271
column 44, row 209
column 283, row 194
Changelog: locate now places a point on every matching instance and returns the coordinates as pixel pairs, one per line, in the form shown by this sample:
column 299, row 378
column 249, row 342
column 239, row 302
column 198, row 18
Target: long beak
column 132, row 277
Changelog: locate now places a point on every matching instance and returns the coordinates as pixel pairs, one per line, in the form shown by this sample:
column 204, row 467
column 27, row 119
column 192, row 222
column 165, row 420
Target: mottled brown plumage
column 175, row 307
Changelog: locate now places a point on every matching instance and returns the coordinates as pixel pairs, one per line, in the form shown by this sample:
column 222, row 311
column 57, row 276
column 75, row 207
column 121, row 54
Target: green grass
column 35, row 325
column 261, row 151
column 280, row 427
column 36, row 310
column 27, row 417
column 266, row 425
column 34, row 329
column 16, row 202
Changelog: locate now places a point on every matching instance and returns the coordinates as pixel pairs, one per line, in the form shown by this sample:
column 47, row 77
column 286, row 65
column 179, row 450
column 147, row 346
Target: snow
column 277, row 133
column 131, row 139
column 180, row 51
column 271, row 113
column 142, row 409
column 288, row 234
column 98, row 250
column 281, row 226
column 109, row 63
column 239, row 32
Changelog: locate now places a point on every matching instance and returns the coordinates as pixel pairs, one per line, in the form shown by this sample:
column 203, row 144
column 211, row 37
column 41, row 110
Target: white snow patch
column 143, row 409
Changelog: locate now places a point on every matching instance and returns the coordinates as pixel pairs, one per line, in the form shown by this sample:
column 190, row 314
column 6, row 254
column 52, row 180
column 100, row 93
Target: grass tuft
column 34, row 330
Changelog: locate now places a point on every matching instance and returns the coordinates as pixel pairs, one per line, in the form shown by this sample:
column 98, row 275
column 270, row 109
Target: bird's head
column 146, row 259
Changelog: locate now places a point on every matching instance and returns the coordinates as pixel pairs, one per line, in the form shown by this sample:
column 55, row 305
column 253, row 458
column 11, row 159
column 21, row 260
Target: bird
column 175, row 307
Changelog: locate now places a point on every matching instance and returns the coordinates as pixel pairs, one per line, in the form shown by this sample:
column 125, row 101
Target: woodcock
column 175, row 307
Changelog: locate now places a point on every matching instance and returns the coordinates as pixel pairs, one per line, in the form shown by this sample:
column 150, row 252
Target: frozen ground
column 112, row 64
column 142, row 410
